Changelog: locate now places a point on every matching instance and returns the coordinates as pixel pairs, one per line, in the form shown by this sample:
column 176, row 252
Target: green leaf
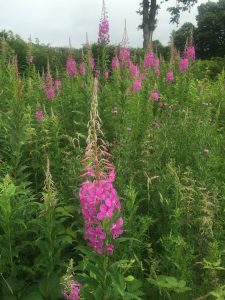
column 50, row 287
column 129, row 278
column 99, row 293
column 119, row 283
column 134, row 286
column 33, row 296
column 171, row 280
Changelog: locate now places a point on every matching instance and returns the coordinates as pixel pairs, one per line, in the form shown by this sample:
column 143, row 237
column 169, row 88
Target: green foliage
column 181, row 35
column 170, row 180
column 210, row 35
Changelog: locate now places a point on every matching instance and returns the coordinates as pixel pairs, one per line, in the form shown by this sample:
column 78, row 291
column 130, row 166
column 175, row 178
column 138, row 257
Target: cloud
column 53, row 21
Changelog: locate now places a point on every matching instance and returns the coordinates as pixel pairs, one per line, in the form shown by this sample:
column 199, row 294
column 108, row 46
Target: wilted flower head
column 71, row 67
column 160, row 104
column 30, row 59
column 184, row 64
column 97, row 73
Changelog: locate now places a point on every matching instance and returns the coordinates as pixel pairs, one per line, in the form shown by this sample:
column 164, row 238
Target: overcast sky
column 53, row 21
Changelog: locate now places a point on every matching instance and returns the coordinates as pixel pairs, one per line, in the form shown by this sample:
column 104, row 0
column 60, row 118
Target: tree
column 210, row 33
column 181, row 35
column 149, row 10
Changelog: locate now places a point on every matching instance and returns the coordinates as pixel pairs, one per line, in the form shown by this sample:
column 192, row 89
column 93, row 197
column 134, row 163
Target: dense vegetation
column 111, row 170
column 166, row 137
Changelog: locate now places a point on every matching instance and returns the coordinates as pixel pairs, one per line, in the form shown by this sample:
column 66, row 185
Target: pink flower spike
column 169, row 76
column 115, row 63
column 91, row 63
column 58, row 83
column 71, row 67
column 154, row 96
column 39, row 115
column 49, row 93
column 106, row 74
column 190, row 52
column 184, row 64
column 82, row 69
column 124, row 54
column 149, row 60
column 134, row 70
column 137, row 85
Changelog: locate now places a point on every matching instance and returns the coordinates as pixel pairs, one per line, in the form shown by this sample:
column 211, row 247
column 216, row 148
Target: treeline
column 208, row 38
column 12, row 44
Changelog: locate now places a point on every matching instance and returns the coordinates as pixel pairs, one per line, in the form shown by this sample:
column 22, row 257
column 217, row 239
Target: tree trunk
column 149, row 14
column 145, row 24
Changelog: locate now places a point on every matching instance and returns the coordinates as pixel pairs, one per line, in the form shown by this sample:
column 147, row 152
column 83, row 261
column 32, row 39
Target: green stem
column 105, row 270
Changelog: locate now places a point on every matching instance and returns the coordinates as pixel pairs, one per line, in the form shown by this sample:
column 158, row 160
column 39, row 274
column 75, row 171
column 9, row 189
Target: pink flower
column 97, row 73
column 169, row 76
column 82, row 69
column 149, row 60
column 71, row 67
column 58, row 83
column 154, row 96
column 30, row 59
column 39, row 115
column 91, row 63
column 137, row 85
column 116, row 228
column 99, row 203
column 106, row 74
column 103, row 33
column 49, row 92
column 184, row 64
column 115, row 63
column 49, row 81
column 134, row 70
column 105, row 212
column 112, row 174
column 190, row 52
column 72, row 290
column 124, row 54
column 109, row 249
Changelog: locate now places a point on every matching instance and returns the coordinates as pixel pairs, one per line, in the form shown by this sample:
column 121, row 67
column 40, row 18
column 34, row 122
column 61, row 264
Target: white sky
column 53, row 21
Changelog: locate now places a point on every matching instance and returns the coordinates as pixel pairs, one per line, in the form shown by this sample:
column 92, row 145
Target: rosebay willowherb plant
column 103, row 33
column 165, row 130
column 98, row 197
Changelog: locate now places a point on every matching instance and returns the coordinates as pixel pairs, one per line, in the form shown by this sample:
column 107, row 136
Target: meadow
column 112, row 179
